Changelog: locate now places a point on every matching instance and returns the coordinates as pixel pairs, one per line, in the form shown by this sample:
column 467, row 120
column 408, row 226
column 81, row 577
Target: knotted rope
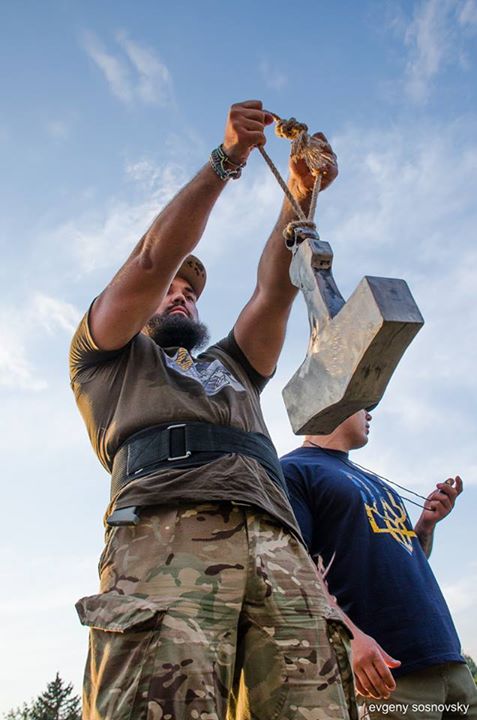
column 304, row 147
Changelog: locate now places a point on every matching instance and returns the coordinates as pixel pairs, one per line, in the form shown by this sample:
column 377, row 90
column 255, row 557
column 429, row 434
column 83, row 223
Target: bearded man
column 205, row 583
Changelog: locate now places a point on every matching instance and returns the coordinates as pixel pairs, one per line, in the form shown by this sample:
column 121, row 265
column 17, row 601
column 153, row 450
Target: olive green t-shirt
column 121, row 392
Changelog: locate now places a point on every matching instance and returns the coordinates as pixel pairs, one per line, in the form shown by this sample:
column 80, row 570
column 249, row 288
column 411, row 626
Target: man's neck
column 327, row 442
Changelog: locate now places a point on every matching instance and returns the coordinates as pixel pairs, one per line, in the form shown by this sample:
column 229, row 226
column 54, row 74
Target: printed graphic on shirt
column 183, row 359
column 385, row 511
column 213, row 376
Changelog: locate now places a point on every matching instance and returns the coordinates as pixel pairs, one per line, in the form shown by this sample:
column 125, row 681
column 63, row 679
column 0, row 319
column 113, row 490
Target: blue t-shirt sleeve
column 299, row 499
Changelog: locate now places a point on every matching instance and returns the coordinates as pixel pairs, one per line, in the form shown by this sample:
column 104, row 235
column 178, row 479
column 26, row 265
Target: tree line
column 58, row 702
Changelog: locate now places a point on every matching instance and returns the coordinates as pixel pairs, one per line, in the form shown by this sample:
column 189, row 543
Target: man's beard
column 177, row 331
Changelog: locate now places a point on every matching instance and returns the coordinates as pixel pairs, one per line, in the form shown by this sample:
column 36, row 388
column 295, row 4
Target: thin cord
column 314, row 197
column 292, row 200
column 392, row 482
column 383, row 479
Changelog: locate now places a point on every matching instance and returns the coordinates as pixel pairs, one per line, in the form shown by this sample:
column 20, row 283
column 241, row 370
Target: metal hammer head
column 354, row 347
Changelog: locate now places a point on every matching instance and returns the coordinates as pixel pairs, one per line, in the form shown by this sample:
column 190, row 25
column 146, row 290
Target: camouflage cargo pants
column 209, row 612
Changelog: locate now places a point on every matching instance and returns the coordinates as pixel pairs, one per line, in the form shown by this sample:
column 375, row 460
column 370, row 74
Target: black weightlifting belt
column 189, row 444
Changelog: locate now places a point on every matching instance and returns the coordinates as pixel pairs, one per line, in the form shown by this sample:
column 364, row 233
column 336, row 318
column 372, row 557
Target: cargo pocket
column 123, row 643
column 340, row 637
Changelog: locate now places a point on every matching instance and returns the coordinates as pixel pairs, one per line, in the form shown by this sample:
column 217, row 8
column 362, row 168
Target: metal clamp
column 187, row 453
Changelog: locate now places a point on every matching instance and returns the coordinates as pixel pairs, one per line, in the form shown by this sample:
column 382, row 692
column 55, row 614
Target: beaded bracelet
column 218, row 159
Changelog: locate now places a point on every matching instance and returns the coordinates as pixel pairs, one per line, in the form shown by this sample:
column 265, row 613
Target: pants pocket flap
column 113, row 612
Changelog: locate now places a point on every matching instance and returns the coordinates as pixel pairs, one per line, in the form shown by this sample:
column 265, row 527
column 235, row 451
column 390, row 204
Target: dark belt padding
column 149, row 450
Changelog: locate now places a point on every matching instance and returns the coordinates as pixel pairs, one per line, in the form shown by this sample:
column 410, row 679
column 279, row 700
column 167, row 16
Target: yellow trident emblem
column 391, row 519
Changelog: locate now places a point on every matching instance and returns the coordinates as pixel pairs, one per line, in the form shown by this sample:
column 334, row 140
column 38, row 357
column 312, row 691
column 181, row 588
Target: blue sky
column 106, row 109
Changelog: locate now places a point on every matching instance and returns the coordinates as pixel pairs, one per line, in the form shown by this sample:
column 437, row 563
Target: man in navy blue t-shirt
column 379, row 573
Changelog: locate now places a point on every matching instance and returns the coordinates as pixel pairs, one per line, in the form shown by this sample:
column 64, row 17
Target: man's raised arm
column 131, row 298
column 261, row 326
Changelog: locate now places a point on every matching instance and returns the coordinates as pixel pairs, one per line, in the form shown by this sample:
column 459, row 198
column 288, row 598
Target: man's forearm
column 273, row 274
column 425, row 537
column 438, row 505
column 261, row 326
column 273, row 278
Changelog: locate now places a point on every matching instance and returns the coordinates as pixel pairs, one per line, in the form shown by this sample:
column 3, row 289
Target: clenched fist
column 244, row 129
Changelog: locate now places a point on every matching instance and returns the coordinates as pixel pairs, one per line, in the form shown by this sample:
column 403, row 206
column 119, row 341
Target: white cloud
column 403, row 193
column 114, row 69
column 106, row 241
column 100, row 243
column 53, row 313
column 19, row 328
column 16, row 370
column 159, row 181
column 462, row 594
column 154, row 82
column 428, row 40
column 241, row 220
column 467, row 15
column 136, row 74
column 435, row 40
column 143, row 171
column 272, row 76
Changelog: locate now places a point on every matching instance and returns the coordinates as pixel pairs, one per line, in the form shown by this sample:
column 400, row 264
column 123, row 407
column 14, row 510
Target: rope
column 309, row 149
column 314, row 197
column 289, row 129
column 383, row 480
column 289, row 231
column 293, row 201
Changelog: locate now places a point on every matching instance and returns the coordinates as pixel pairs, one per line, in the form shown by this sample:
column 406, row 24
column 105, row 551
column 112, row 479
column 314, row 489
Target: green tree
column 472, row 667
column 22, row 713
column 57, row 703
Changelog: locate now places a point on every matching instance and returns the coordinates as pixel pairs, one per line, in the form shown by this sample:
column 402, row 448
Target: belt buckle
column 187, row 453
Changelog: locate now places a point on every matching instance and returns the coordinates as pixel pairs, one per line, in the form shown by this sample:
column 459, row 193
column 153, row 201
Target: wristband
column 218, row 159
